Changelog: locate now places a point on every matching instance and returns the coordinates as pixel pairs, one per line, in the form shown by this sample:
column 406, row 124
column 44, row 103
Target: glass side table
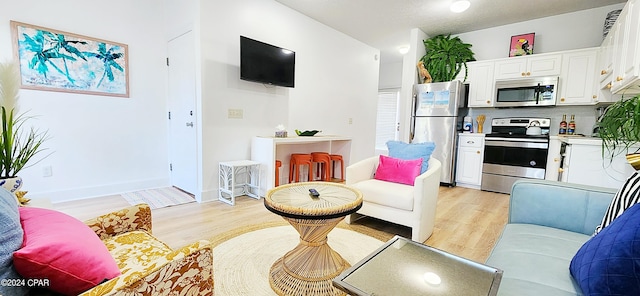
column 404, row 267
column 310, row 267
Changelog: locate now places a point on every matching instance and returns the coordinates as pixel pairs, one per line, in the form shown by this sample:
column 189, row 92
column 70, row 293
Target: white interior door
column 182, row 117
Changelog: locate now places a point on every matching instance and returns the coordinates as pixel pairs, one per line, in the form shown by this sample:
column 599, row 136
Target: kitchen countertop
column 472, row 134
column 579, row 140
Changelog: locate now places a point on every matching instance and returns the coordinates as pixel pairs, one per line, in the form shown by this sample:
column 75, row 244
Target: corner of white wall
column 409, row 78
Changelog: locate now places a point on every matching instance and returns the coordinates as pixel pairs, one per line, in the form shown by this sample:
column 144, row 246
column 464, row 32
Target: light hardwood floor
column 468, row 221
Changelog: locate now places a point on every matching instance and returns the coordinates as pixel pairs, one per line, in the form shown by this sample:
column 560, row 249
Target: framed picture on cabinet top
column 521, row 44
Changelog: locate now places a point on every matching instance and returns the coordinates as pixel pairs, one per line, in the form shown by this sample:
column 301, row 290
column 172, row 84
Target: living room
column 82, row 128
column 104, row 145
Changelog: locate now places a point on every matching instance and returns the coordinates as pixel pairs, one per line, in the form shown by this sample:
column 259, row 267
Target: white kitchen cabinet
column 605, row 61
column 626, row 62
column 584, row 164
column 553, row 159
column 481, row 84
column 469, row 163
column 528, row 66
column 577, row 78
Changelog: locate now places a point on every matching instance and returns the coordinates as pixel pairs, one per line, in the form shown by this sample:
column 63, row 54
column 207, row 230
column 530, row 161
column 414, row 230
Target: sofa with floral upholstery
column 113, row 254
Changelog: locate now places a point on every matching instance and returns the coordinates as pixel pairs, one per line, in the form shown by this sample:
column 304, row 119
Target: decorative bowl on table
column 307, row 133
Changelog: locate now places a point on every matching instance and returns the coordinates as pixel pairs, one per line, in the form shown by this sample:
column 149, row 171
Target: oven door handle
column 516, row 144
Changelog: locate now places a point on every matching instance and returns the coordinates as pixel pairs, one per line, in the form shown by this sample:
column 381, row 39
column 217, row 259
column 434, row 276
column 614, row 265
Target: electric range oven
column 510, row 153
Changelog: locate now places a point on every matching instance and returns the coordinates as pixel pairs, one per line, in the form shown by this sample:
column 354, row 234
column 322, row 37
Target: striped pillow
column 626, row 197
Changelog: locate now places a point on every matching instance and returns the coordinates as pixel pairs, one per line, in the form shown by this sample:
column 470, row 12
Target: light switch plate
column 234, row 113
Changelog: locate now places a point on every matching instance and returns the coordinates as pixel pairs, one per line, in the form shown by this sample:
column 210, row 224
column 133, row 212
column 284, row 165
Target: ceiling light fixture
column 460, row 6
column 403, row 49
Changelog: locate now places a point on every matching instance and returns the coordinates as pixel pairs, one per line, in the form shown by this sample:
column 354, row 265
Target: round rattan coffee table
column 310, row 267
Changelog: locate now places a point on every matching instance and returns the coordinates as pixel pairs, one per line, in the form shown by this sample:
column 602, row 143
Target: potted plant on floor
column 619, row 128
column 19, row 143
column 445, row 57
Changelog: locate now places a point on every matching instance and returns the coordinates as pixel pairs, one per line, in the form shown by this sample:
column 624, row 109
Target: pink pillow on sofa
column 63, row 250
column 398, row 170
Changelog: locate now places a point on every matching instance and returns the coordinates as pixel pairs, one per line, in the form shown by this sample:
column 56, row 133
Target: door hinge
column 171, row 166
column 167, row 61
column 169, row 115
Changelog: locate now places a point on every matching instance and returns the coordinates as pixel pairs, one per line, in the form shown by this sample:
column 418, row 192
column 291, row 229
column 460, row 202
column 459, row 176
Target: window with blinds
column 387, row 118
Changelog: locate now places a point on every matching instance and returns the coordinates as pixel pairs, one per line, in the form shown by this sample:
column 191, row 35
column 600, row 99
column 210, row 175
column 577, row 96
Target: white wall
column 390, row 75
column 336, row 79
column 100, row 144
column 567, row 31
column 104, row 145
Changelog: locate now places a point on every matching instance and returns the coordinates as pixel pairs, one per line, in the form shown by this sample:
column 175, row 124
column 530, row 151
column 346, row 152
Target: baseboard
column 209, row 195
column 472, row 186
column 97, row 191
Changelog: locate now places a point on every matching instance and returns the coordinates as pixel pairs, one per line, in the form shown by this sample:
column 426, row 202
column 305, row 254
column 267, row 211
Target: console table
column 266, row 150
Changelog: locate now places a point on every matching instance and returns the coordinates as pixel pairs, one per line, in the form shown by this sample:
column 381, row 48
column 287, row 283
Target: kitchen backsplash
column 585, row 116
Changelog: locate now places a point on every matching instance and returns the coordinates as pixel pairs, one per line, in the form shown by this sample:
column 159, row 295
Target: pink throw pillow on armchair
column 63, row 250
column 398, row 170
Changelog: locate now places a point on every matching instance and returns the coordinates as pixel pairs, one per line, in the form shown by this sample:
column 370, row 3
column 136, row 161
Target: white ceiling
column 385, row 24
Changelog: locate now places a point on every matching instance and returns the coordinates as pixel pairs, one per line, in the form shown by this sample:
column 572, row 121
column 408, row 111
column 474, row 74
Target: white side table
column 240, row 177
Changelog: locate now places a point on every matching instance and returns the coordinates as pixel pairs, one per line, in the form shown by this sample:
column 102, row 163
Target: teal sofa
column 548, row 222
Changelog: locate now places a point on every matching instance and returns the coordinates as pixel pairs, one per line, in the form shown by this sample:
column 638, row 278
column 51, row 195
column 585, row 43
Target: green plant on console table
column 445, row 57
column 18, row 143
column 619, row 127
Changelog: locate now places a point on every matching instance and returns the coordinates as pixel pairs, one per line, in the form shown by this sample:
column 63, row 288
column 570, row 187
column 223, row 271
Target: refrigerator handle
column 414, row 105
column 413, row 114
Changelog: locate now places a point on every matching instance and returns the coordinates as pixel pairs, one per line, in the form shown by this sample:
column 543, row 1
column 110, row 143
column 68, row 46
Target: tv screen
column 265, row 63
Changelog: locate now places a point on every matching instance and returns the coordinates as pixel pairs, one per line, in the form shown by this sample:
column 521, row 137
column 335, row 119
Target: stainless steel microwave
column 540, row 91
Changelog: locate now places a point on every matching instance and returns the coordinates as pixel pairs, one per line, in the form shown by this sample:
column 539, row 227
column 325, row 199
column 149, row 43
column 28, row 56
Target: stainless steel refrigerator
column 436, row 116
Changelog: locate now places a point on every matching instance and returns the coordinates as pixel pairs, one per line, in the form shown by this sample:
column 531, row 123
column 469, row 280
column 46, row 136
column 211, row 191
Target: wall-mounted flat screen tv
column 266, row 63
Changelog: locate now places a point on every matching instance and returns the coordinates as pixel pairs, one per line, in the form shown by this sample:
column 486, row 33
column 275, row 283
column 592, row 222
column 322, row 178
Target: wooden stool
column 334, row 158
column 297, row 160
column 278, row 165
column 323, row 159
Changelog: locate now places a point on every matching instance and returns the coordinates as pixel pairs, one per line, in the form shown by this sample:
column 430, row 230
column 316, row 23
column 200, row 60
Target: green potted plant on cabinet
column 445, row 57
column 18, row 142
column 619, row 128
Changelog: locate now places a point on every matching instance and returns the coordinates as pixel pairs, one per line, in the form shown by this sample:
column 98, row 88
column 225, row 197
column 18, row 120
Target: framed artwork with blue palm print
column 53, row 60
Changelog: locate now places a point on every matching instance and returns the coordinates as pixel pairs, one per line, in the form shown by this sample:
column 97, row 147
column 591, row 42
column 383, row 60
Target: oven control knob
column 533, row 163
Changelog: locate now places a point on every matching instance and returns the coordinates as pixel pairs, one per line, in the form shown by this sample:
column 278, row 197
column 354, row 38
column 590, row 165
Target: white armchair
column 412, row 206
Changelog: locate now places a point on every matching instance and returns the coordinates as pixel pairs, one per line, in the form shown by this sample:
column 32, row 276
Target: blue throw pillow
column 609, row 262
column 406, row 151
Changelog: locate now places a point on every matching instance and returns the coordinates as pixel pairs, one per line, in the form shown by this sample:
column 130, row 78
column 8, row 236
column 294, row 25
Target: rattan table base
column 311, row 266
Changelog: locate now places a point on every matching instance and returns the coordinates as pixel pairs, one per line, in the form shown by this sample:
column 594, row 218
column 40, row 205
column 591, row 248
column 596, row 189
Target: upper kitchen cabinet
column 481, row 84
column 528, row 66
column 605, row 61
column 626, row 58
column 577, row 78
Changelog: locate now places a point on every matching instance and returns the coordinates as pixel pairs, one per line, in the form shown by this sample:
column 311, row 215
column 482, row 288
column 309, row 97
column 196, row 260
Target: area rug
column 158, row 197
column 241, row 262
